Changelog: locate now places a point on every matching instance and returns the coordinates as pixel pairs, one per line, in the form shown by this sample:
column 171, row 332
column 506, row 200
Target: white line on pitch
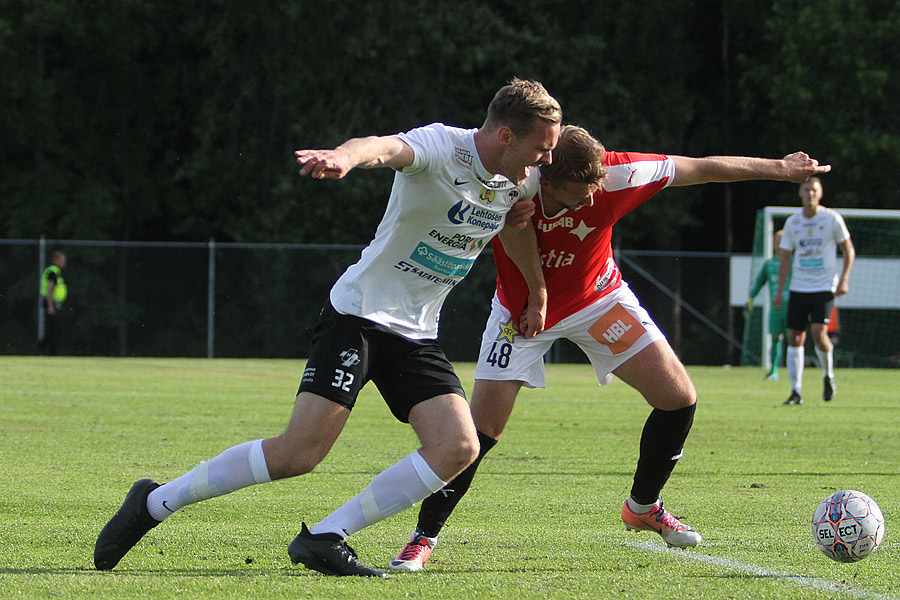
column 812, row 582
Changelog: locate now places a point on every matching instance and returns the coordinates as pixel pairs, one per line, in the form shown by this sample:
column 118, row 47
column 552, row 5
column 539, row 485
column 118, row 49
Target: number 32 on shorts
column 499, row 354
column 342, row 380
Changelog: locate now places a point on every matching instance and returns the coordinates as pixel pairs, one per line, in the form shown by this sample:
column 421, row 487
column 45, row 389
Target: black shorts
column 349, row 351
column 809, row 307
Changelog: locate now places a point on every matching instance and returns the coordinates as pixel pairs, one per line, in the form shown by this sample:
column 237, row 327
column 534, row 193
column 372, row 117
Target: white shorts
column 609, row 331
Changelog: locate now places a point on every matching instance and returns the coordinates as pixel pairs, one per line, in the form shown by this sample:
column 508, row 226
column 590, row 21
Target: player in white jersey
column 808, row 251
column 584, row 192
column 452, row 192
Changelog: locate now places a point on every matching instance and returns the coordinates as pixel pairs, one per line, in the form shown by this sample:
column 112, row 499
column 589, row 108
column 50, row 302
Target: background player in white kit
column 584, row 192
column 808, row 251
column 380, row 324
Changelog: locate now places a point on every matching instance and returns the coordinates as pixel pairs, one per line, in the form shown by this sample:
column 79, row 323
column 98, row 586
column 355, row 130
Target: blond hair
column 518, row 104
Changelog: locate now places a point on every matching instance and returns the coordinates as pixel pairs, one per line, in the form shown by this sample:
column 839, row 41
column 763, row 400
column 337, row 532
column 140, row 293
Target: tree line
column 135, row 120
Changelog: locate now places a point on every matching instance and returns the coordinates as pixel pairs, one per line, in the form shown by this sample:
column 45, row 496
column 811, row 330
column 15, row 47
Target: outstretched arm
column 796, row 167
column 522, row 248
column 368, row 152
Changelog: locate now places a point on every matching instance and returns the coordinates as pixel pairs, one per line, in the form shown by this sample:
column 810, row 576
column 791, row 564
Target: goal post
column 869, row 314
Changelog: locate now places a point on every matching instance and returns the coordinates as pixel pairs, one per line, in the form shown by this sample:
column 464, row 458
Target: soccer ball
column 847, row 526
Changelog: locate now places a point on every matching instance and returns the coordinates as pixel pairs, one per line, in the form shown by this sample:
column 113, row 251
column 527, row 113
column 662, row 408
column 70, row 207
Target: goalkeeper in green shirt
column 768, row 274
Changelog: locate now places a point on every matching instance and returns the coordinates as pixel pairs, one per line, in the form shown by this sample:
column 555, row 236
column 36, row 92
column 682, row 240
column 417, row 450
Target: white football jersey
column 814, row 244
column 442, row 211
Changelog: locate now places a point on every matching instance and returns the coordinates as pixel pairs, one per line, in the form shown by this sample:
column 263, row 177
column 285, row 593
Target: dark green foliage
column 140, row 120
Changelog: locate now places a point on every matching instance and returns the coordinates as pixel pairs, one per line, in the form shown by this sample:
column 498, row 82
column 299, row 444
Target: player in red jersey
column 584, row 192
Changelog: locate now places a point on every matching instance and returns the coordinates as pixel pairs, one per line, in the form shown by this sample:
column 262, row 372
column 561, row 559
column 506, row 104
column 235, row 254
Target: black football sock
column 437, row 507
column 662, row 442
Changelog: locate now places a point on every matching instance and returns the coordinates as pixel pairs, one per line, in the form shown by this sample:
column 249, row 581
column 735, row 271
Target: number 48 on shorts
column 499, row 354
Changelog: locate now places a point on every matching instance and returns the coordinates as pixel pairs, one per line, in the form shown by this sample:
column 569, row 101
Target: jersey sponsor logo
column 486, row 196
column 461, row 213
column 604, row 281
column 438, row 262
column 554, row 259
column 548, row 226
column 349, row 357
column 458, row 240
column 618, row 330
column 811, row 263
column 456, row 181
column 508, row 331
column 309, row 375
column 405, row 267
column 457, row 213
column 463, row 156
column 495, row 184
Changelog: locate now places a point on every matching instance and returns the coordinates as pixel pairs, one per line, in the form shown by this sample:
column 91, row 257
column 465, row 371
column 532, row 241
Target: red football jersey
column 575, row 246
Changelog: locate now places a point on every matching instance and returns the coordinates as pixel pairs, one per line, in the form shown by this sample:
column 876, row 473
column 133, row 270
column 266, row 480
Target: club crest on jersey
column 486, row 196
column 349, row 357
column 463, row 156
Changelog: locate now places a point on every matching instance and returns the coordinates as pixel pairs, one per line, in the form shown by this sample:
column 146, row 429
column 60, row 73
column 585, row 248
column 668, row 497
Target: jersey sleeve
column 787, row 239
column 841, row 233
column 428, row 143
column 638, row 169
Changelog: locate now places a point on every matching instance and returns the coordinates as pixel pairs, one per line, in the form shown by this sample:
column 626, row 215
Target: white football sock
column 236, row 468
column 639, row 509
column 795, row 367
column 826, row 359
column 397, row 488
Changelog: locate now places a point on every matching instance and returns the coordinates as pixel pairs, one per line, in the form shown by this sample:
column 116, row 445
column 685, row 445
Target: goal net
column 868, row 316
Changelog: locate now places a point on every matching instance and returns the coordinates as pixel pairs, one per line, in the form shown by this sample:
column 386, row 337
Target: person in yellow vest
column 53, row 293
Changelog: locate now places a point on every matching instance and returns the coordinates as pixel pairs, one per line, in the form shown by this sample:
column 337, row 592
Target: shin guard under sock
column 662, row 442
column 437, row 507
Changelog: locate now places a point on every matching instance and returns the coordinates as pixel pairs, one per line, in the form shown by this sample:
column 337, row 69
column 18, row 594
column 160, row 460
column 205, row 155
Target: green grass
column 542, row 520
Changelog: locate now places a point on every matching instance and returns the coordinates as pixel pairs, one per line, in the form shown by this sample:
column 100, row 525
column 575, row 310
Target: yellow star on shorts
column 508, row 331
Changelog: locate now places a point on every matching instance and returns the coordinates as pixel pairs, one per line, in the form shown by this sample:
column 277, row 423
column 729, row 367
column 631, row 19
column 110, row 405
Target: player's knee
column 303, row 464
column 675, row 397
column 461, row 453
column 688, row 398
column 284, row 460
column 492, row 430
column 467, row 451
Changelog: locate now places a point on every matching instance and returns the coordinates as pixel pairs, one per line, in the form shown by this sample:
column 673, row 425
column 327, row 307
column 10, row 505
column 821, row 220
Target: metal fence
column 262, row 300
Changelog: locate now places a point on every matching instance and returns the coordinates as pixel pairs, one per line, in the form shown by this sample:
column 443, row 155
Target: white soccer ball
column 847, row 526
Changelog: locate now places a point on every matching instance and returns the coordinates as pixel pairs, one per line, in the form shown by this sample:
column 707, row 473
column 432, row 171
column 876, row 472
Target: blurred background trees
column 176, row 122
column 136, row 120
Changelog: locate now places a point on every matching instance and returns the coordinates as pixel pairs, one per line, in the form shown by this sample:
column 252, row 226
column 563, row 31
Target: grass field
column 542, row 520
